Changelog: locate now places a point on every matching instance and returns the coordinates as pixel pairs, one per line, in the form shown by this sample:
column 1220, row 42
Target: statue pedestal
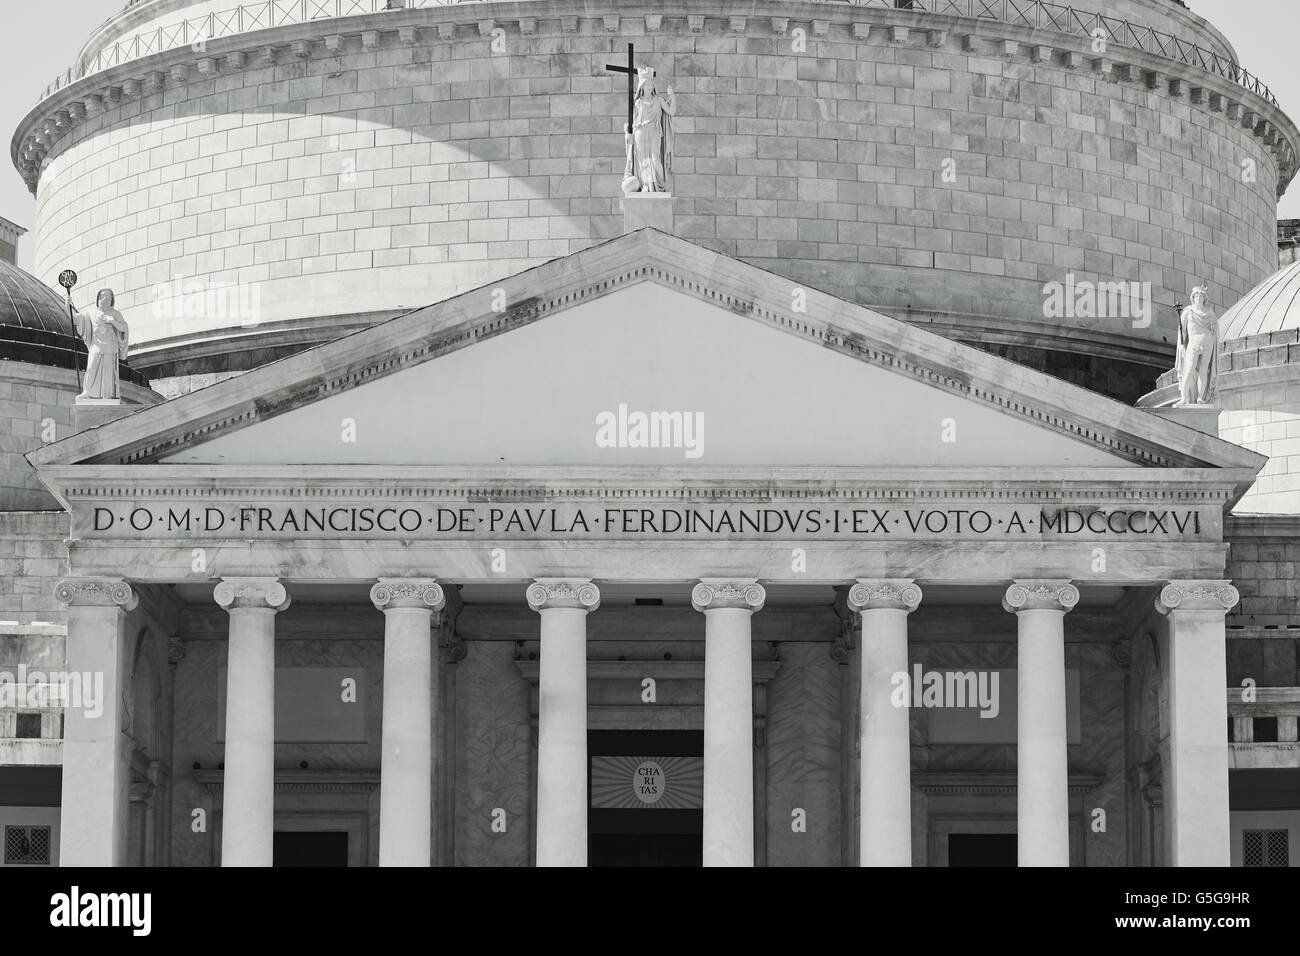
column 1204, row 418
column 648, row 210
column 93, row 412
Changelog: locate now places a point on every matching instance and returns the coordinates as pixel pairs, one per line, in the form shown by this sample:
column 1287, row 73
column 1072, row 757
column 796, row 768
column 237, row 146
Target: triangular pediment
column 647, row 351
column 646, row 375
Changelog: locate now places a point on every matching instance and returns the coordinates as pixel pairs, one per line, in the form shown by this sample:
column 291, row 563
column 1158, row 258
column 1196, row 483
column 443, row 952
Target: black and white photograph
column 773, row 434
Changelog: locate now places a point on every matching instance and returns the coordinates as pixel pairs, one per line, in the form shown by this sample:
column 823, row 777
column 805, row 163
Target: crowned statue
column 105, row 333
column 1197, row 361
column 650, row 140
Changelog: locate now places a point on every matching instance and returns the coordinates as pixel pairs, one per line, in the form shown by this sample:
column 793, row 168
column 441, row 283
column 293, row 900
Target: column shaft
column 1042, row 773
column 1042, row 776
column 728, row 739
column 886, row 765
column 94, row 819
column 406, row 763
column 248, row 787
column 563, row 605
column 1197, row 789
column 728, row 608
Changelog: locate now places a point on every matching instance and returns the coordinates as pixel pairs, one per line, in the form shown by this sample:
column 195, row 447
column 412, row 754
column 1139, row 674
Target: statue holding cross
column 648, row 134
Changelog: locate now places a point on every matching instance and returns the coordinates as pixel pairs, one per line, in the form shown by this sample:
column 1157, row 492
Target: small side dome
column 35, row 327
column 1272, row 306
column 1259, row 388
column 34, row 322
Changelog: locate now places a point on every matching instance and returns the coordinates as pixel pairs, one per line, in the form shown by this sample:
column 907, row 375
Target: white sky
column 39, row 40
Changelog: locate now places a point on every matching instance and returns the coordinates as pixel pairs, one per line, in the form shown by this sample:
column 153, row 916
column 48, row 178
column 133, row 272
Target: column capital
column 1197, row 596
column 422, row 593
column 744, row 594
column 260, row 593
column 1040, row 596
column 547, row 593
column 96, row 592
column 869, row 594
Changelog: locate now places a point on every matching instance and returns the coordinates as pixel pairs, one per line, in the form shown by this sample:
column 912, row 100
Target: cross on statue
column 648, row 135
column 630, row 70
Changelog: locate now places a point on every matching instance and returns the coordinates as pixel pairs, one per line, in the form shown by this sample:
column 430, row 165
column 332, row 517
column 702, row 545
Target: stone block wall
column 35, row 408
column 1264, row 416
column 1263, row 557
column 32, row 560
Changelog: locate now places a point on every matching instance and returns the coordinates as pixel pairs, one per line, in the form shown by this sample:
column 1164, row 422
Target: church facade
column 377, row 549
column 771, row 520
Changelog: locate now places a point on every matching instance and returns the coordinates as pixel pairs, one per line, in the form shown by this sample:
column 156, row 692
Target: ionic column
column 563, row 604
column 406, row 764
column 1042, row 774
column 95, row 814
column 728, row 605
column 248, row 789
column 886, row 769
column 1196, row 790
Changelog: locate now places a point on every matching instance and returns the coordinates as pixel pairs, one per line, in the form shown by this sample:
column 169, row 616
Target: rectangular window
column 28, row 726
column 29, row 845
column 1265, row 848
column 1265, row 730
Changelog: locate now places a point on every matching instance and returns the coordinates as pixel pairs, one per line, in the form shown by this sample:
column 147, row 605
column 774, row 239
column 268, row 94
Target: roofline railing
column 1034, row 14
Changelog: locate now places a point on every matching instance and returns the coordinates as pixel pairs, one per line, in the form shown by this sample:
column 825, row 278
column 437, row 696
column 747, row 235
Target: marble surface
column 492, row 763
column 1099, row 754
column 196, row 729
column 803, row 757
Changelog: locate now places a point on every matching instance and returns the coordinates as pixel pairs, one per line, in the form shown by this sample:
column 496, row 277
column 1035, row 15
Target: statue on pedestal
column 1197, row 361
column 105, row 334
column 650, row 140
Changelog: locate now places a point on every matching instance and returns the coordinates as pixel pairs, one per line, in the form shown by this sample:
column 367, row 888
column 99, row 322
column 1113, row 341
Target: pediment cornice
column 818, row 318
column 543, row 484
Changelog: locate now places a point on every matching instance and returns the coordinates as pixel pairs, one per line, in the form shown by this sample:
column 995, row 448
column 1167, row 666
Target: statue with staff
column 105, row 333
column 1197, row 358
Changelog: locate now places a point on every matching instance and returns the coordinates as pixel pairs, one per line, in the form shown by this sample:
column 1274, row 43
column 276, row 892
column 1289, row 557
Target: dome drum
column 354, row 167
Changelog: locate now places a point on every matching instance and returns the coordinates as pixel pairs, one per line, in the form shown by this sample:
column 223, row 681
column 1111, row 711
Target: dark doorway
column 662, row 849
column 981, row 849
column 291, row 848
column 649, row 835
